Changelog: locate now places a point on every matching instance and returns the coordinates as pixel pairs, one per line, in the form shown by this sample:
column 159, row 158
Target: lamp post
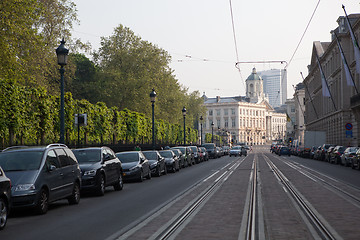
column 152, row 98
column 62, row 54
column 184, row 114
column 212, row 132
column 201, row 135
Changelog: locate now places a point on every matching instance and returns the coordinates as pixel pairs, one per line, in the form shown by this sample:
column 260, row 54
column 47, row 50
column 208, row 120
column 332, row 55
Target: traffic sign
column 348, row 126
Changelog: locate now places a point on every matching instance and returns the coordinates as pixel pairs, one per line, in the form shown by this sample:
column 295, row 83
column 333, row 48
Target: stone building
column 332, row 114
column 248, row 119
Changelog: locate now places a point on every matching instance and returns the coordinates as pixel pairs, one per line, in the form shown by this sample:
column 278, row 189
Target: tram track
column 314, row 220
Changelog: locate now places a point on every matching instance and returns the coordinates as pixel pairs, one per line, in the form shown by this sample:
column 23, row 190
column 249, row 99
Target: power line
column 307, row 26
column 236, row 48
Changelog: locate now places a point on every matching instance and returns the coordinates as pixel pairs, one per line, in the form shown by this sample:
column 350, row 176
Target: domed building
column 254, row 88
column 246, row 119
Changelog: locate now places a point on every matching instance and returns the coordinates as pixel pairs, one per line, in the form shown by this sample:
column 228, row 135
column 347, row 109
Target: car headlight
column 134, row 168
column 90, row 173
column 25, row 187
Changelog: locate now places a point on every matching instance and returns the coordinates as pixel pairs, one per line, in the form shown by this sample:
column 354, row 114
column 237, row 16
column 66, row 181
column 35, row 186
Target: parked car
column 211, row 149
column 187, row 155
column 205, row 153
column 180, row 156
column 284, row 151
column 99, row 168
column 356, row 160
column 312, row 152
column 171, row 160
column 135, row 165
column 157, row 163
column 196, row 154
column 41, row 175
column 5, row 196
column 335, row 155
column 348, row 155
column 323, row 150
column 327, row 154
column 317, row 153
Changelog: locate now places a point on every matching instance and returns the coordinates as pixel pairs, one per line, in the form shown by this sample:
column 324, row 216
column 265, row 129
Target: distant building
column 248, row 119
column 275, row 86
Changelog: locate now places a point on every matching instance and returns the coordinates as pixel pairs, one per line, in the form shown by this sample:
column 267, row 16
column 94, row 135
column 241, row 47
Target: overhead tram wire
column 236, row 48
column 307, row 26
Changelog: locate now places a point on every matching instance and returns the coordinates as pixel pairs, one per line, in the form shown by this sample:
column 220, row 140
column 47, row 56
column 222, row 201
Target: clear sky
column 198, row 34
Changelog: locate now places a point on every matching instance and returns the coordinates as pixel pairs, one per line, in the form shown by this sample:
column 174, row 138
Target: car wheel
column 149, row 174
column 43, row 202
column 158, row 172
column 119, row 185
column 165, row 170
column 75, row 197
column 141, row 178
column 100, row 190
column 352, row 165
column 3, row 213
column 173, row 168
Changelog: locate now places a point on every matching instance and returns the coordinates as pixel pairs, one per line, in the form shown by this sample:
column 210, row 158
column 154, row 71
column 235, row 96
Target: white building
column 249, row 119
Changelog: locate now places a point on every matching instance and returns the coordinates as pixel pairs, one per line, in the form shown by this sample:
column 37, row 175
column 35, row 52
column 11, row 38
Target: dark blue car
column 284, row 151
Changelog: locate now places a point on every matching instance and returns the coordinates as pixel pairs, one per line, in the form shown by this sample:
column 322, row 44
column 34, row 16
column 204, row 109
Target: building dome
column 254, row 75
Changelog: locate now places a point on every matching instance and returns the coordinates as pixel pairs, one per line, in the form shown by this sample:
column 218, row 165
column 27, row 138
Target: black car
column 5, row 194
column 180, row 156
column 211, row 149
column 196, row 154
column 186, row 151
column 41, row 175
column 157, row 163
column 99, row 168
column 171, row 160
column 135, row 165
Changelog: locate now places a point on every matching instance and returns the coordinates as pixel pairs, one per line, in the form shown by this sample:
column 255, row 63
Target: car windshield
column 181, row 149
column 87, row 155
column 237, row 148
column 208, row 146
column 166, row 154
column 176, row 153
column 21, row 160
column 150, row 155
column 128, row 157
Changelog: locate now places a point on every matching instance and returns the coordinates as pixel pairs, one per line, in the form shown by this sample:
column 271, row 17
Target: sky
column 199, row 35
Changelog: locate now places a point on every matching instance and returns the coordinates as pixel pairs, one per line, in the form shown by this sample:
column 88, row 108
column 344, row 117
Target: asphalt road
column 101, row 217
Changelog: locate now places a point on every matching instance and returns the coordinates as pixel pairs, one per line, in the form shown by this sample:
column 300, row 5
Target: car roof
column 33, row 148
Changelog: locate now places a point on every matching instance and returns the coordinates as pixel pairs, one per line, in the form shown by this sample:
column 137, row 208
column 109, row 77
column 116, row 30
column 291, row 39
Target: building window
column 218, row 123
column 233, row 124
column 210, row 112
column 226, row 112
column 218, row 112
column 226, row 122
column 233, row 111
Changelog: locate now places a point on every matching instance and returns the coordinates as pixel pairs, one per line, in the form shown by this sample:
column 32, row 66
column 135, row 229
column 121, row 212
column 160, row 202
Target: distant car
column 157, row 163
column 284, row 151
column 335, row 155
column 171, row 160
column 211, row 149
column 235, row 151
column 205, row 153
column 196, row 154
column 135, row 165
column 41, row 175
column 5, row 196
column 180, row 156
column 99, row 168
column 312, row 152
column 186, row 151
column 348, row 156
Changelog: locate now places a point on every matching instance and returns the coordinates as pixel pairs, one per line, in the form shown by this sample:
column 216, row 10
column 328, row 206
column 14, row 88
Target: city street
column 261, row 196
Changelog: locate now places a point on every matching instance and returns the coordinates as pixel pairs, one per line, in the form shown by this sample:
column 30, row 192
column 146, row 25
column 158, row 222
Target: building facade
column 248, row 119
column 275, row 86
column 333, row 113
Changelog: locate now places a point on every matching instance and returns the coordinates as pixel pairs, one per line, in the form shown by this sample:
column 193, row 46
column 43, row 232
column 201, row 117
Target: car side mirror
column 52, row 168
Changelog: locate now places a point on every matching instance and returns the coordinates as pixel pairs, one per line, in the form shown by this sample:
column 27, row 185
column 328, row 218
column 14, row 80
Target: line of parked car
column 336, row 154
column 34, row 177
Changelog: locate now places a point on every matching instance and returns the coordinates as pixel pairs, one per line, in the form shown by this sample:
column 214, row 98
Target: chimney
column 217, row 98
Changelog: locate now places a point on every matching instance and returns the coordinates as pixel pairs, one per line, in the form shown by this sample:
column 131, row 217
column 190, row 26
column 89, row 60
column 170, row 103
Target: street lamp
column 62, row 54
column 201, row 135
column 152, row 99
column 212, row 132
column 184, row 114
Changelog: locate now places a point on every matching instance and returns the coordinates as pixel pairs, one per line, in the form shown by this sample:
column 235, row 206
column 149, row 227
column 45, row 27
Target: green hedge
column 31, row 116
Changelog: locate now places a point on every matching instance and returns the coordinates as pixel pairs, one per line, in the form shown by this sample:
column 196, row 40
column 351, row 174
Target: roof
column 219, row 99
column 253, row 75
